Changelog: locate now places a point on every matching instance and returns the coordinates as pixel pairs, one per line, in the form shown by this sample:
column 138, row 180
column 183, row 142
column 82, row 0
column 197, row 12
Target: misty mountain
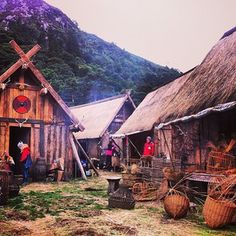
column 80, row 66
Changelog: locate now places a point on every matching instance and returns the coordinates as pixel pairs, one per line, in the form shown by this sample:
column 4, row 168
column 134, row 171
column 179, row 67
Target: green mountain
column 80, row 66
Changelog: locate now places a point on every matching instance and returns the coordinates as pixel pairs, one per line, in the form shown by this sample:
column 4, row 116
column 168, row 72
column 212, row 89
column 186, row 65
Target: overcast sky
column 177, row 33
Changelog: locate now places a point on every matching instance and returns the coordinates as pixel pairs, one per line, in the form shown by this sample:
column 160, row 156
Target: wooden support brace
column 87, row 157
column 76, row 155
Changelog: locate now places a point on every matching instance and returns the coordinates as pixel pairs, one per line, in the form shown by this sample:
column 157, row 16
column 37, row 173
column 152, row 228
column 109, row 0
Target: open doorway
column 18, row 134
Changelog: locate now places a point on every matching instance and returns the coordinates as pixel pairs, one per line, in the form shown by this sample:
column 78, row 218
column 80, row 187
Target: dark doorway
column 18, row 134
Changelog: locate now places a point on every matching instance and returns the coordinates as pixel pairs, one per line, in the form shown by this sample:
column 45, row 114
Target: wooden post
column 76, row 155
column 173, row 166
column 87, row 157
column 41, row 140
column 127, row 149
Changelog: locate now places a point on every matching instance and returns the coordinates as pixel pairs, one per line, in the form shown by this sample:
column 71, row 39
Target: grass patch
column 36, row 204
column 68, row 197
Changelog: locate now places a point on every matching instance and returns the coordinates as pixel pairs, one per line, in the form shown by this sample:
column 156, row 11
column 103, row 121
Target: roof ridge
column 100, row 101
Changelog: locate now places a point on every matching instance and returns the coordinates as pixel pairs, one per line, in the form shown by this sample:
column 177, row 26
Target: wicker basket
column 218, row 213
column 130, row 179
column 176, row 205
column 220, row 161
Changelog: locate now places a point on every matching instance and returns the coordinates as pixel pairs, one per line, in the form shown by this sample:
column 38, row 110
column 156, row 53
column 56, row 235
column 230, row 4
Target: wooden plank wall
column 42, row 107
column 49, row 131
column 163, row 142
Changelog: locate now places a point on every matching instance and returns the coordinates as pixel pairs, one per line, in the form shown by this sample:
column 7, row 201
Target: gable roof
column 212, row 84
column 26, row 60
column 97, row 116
column 147, row 113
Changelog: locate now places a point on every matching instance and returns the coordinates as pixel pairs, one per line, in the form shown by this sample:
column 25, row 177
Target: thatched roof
column 211, row 83
column 97, row 116
column 147, row 113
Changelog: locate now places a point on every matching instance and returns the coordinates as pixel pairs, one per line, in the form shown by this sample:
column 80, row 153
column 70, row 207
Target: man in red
column 26, row 160
column 149, row 147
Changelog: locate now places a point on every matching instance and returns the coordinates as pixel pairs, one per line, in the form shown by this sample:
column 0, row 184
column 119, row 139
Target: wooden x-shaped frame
column 24, row 59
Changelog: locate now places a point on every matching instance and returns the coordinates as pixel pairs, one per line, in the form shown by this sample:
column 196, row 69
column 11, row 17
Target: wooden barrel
column 4, row 187
column 40, row 170
column 14, row 187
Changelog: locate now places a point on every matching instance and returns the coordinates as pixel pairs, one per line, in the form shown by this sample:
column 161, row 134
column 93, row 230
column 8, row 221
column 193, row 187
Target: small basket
column 218, row 213
column 176, row 205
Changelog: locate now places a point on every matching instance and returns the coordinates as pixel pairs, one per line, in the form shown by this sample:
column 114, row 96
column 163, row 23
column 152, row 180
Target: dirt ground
column 80, row 208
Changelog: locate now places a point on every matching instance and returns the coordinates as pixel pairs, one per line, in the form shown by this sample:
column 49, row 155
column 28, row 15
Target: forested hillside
column 80, row 66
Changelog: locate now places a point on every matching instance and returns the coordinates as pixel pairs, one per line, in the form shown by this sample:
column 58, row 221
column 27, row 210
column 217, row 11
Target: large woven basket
column 176, row 205
column 218, row 213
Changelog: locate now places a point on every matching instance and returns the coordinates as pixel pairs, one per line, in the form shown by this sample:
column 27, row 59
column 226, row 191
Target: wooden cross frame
column 22, row 62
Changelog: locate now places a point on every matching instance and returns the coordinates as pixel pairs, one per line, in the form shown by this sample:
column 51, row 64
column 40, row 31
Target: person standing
column 109, row 152
column 26, row 160
column 149, row 147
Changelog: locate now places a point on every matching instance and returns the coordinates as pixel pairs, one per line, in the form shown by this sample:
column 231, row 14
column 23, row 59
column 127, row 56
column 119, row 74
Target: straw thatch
column 147, row 113
column 211, row 83
column 97, row 116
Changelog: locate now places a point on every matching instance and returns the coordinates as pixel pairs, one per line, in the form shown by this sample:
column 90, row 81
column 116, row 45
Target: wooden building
column 31, row 111
column 100, row 119
column 204, row 108
column 184, row 115
column 141, row 123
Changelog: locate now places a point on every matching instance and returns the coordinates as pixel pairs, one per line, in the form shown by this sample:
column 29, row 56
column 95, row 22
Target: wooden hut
column 141, row 123
column 31, row 111
column 204, row 108
column 100, row 119
column 189, row 112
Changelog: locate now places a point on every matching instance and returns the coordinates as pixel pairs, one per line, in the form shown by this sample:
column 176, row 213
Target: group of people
column 112, row 153
column 25, row 160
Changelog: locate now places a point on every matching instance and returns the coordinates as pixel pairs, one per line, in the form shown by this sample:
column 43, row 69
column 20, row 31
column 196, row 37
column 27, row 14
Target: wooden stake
column 76, row 155
column 173, row 166
column 87, row 157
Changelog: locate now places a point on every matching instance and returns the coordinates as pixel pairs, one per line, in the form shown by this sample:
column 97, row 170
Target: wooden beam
column 87, row 157
column 11, row 70
column 76, row 156
column 171, row 160
column 12, row 120
column 21, row 53
column 54, row 94
column 41, row 139
column 18, row 64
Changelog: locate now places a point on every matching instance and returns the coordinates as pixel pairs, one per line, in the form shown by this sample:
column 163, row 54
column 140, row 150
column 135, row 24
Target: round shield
column 21, row 104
